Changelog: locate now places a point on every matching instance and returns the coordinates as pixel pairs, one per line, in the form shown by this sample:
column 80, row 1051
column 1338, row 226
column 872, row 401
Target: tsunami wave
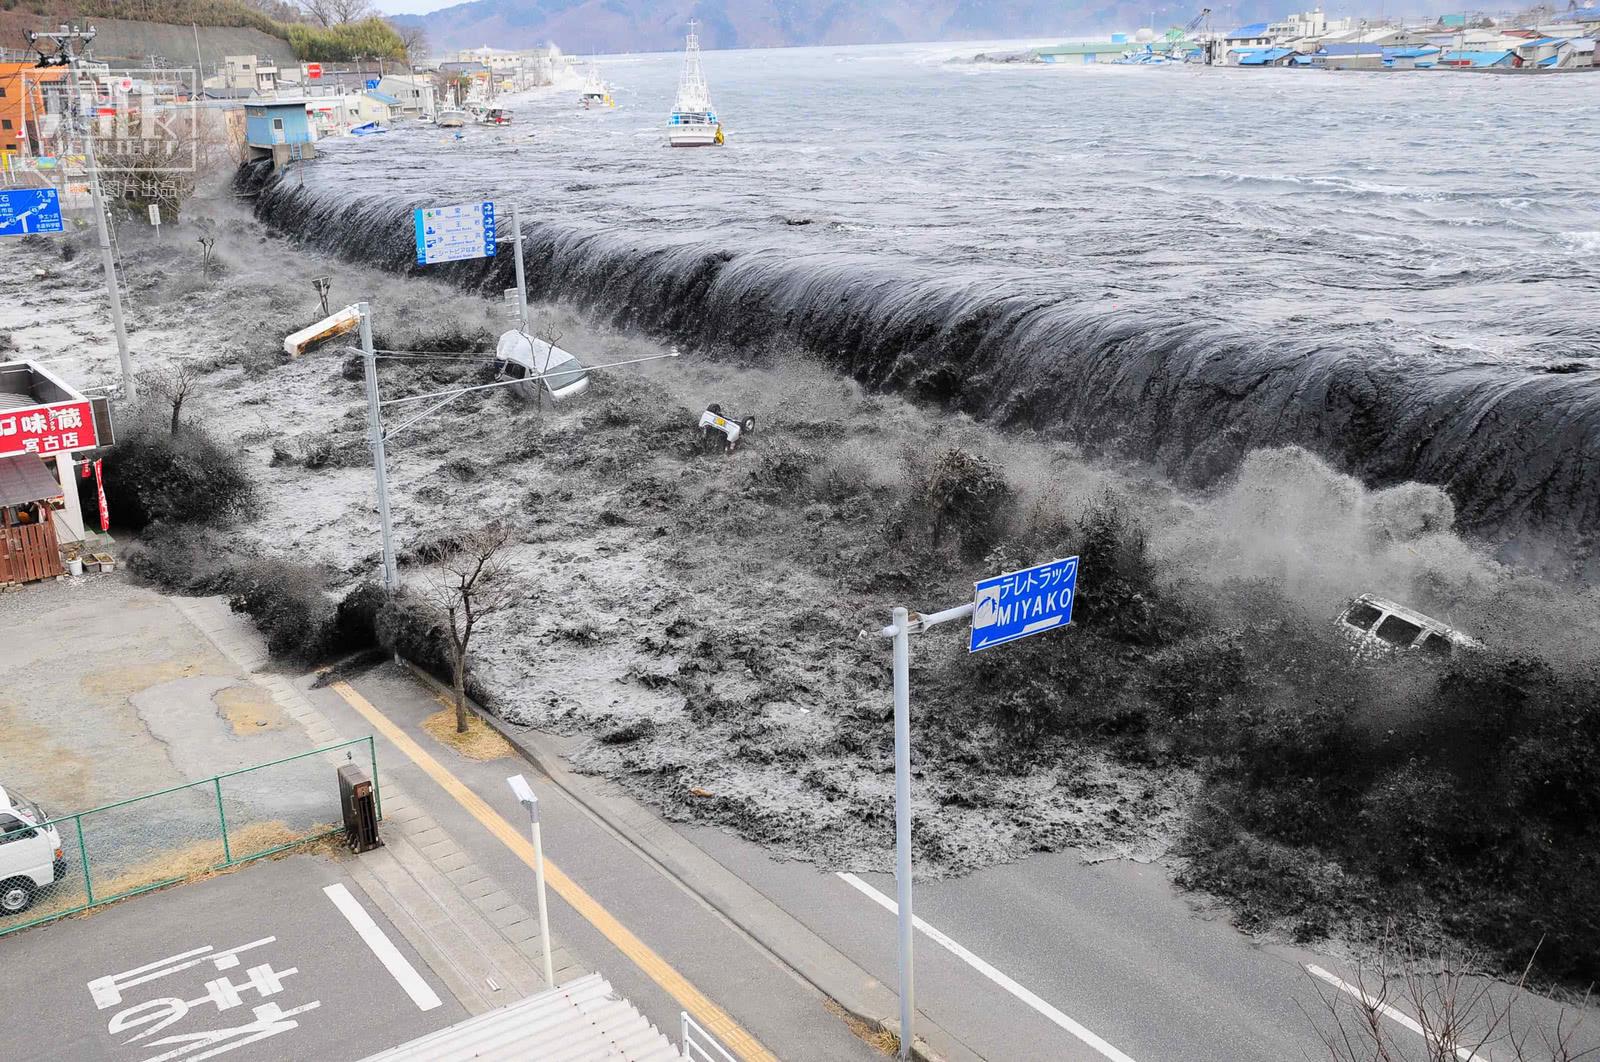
column 1515, row 444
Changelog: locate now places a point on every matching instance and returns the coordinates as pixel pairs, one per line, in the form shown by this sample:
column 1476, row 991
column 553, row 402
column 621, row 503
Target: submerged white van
column 1370, row 620
column 519, row 357
column 30, row 852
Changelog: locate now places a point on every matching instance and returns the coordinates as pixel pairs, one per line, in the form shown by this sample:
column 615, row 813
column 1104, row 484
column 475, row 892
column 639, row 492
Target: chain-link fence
column 53, row 867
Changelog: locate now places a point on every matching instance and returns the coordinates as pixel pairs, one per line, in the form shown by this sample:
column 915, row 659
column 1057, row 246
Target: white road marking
column 1462, row 1053
column 402, row 971
column 988, row 971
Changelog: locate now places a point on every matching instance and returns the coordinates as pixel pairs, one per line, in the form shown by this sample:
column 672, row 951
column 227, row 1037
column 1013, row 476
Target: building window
column 5, row 123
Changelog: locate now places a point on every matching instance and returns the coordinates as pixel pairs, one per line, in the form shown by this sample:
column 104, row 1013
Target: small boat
column 496, row 116
column 451, row 118
column 694, row 121
column 596, row 93
column 367, row 129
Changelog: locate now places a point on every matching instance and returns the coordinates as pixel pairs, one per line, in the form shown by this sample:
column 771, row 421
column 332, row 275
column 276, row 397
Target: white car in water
column 525, row 358
column 30, row 853
column 1371, row 621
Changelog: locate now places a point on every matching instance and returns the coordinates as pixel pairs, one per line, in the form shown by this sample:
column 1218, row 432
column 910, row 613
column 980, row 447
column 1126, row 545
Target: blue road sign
column 1018, row 604
column 372, row 82
column 453, row 233
column 28, row 210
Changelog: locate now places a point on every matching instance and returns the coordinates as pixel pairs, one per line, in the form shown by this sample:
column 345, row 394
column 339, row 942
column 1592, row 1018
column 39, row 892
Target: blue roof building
column 1266, row 56
column 1248, row 33
column 1476, row 60
column 272, row 122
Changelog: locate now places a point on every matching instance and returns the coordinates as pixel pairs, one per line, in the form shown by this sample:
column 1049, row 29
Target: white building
column 417, row 95
column 1314, row 24
column 246, row 73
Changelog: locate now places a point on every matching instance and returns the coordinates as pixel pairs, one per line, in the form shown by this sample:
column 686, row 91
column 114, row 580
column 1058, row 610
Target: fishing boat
column 694, row 121
column 451, row 118
column 596, row 93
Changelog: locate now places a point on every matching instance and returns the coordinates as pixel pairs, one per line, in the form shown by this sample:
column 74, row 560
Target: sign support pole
column 375, row 430
column 522, row 280
column 902, row 817
column 901, row 631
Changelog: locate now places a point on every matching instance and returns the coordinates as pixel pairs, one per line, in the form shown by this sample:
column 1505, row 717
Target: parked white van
column 1372, row 621
column 520, row 357
column 30, row 853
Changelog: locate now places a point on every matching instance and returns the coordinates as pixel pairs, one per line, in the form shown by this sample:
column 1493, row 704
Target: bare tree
column 1459, row 1015
column 472, row 588
column 415, row 41
column 336, row 12
column 207, row 240
column 174, row 386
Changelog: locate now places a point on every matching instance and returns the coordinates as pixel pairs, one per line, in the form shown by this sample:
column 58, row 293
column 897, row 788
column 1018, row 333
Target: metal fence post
column 377, row 791
column 222, row 817
column 83, row 855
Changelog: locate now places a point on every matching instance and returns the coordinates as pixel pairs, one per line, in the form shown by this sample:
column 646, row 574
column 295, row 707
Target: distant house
column 1252, row 36
column 1266, row 56
column 415, row 95
column 1082, row 52
column 279, row 130
column 1467, row 60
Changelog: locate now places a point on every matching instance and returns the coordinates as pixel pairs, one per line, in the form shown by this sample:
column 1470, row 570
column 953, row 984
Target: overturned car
column 1373, row 622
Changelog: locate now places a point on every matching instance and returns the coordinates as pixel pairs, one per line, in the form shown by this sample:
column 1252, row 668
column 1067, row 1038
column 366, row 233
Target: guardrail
column 147, row 842
column 701, row 1046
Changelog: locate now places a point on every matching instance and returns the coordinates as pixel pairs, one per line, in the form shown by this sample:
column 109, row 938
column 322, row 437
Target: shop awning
column 25, row 478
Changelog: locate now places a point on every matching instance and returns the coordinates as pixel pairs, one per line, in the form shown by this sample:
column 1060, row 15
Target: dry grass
column 480, row 742
column 883, row 1041
column 193, row 862
column 200, row 860
column 249, row 709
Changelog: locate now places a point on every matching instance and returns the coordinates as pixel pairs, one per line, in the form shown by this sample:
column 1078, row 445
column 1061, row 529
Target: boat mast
column 693, row 94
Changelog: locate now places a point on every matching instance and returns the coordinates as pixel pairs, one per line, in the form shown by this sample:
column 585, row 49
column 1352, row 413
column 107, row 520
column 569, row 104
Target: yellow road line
column 707, row 1013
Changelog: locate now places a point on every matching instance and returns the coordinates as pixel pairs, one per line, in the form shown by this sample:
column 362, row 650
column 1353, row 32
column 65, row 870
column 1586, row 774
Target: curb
column 777, row 932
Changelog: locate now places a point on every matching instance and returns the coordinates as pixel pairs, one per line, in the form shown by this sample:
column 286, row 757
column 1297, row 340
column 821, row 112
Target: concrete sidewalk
column 481, row 943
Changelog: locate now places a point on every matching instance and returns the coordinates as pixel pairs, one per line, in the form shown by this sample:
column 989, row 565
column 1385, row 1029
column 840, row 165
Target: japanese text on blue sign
column 30, row 210
column 454, row 233
column 1018, row 604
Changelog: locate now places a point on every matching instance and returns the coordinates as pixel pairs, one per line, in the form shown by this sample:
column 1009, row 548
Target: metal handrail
column 697, row 1051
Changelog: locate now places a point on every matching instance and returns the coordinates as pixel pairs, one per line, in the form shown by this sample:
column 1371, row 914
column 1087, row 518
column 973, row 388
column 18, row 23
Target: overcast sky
column 414, row 7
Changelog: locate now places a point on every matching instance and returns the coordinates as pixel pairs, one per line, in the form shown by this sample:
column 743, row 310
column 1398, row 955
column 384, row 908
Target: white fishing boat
column 451, row 118
column 694, row 120
column 596, row 93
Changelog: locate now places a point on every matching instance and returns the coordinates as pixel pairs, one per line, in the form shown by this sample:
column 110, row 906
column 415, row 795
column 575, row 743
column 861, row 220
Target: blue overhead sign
column 30, row 210
column 1018, row 604
column 454, row 233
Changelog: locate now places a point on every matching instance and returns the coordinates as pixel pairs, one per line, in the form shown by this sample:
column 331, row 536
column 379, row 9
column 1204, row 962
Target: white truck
column 30, row 853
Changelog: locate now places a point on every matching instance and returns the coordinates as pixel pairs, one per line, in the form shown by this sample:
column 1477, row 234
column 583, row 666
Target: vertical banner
column 100, row 489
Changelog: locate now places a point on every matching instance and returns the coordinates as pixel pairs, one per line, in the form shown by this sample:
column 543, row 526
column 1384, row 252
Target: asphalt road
column 766, row 998
column 257, row 965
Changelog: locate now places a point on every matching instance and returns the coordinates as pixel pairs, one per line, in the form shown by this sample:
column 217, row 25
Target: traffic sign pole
column 901, row 631
column 902, row 817
column 1003, row 608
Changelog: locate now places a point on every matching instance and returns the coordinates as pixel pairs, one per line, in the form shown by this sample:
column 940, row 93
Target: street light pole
column 375, row 430
column 525, row 795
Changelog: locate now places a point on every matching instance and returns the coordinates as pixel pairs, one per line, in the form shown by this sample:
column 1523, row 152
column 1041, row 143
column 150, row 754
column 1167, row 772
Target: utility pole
column 375, row 430
column 69, row 54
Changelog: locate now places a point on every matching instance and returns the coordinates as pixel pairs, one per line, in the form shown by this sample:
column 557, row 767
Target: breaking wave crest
column 1513, row 444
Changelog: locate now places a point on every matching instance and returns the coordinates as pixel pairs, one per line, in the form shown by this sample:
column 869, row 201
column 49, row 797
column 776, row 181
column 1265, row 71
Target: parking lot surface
column 281, row 959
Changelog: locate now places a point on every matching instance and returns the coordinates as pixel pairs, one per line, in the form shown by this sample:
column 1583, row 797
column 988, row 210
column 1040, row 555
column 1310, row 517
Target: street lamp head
column 524, row 794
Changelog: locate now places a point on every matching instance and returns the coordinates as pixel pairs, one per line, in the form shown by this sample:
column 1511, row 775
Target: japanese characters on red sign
column 44, row 430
